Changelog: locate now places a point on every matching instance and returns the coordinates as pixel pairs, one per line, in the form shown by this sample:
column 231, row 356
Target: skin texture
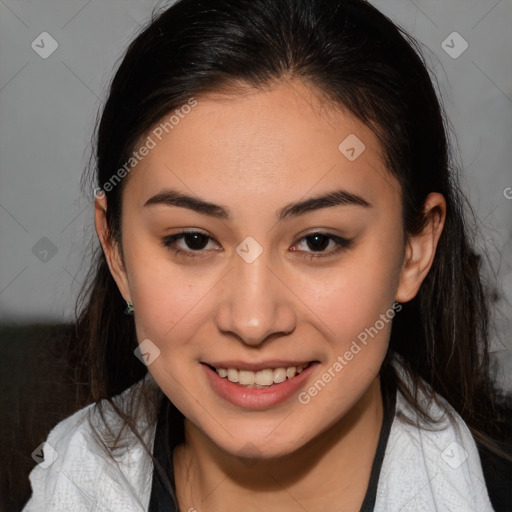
column 253, row 154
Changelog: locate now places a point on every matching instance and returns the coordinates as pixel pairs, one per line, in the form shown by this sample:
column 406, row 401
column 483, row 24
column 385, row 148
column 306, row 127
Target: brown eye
column 319, row 242
column 195, row 242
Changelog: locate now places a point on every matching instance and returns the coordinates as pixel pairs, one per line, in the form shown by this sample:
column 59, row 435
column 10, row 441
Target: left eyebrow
column 334, row 198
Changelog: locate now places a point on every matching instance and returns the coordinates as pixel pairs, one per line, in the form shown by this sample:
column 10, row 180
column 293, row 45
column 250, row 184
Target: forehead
column 263, row 146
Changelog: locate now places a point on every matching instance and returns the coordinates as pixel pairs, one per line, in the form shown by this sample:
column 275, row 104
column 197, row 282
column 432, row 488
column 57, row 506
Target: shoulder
column 431, row 466
column 78, row 473
column 456, row 436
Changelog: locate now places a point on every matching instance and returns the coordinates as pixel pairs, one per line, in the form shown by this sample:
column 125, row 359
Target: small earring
column 129, row 309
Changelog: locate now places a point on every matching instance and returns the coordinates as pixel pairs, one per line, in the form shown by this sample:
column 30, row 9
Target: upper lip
column 256, row 366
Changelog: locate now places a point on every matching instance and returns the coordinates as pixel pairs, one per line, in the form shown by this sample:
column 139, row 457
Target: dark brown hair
column 357, row 58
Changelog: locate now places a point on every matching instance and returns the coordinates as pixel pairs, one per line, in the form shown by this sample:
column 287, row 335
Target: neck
column 335, row 465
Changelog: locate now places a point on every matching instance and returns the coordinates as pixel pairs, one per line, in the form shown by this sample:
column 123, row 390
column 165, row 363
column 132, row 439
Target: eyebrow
column 334, row 198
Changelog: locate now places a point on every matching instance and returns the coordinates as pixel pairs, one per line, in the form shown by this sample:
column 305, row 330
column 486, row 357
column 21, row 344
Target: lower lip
column 255, row 398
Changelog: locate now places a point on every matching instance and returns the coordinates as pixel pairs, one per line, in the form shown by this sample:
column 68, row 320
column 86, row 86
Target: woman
column 279, row 216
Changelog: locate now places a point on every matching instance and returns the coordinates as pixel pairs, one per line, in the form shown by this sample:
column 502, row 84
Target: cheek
column 357, row 305
column 167, row 297
column 351, row 296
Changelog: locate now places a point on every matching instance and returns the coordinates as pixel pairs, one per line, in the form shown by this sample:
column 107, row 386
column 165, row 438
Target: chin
column 267, row 443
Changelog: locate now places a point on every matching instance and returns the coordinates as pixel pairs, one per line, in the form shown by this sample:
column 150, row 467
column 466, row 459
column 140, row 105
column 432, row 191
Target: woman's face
column 262, row 292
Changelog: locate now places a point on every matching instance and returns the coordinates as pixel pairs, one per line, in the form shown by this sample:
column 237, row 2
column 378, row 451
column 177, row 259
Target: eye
column 195, row 240
column 320, row 241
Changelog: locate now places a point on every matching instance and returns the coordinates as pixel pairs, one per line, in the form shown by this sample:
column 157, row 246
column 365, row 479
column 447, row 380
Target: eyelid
column 341, row 244
column 169, row 242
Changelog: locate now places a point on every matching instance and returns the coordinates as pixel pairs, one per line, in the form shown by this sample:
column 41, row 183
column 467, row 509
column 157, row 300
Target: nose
column 255, row 302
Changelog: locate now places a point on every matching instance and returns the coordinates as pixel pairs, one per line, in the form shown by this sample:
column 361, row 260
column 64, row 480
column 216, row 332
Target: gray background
column 47, row 115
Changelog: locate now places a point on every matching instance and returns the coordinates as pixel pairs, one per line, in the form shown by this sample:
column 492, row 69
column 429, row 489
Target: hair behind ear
column 107, row 337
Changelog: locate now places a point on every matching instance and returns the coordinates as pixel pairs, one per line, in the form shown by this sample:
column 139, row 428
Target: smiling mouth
column 260, row 379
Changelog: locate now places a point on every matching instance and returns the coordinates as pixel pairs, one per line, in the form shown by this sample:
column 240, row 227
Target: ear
column 421, row 248
column 110, row 247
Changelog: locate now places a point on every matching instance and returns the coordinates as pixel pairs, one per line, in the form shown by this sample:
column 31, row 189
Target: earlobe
column 110, row 247
column 421, row 248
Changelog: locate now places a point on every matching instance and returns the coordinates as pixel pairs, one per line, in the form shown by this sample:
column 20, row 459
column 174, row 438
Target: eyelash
column 341, row 244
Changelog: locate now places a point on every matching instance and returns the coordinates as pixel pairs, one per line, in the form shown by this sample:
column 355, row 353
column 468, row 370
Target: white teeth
column 246, row 378
column 290, row 372
column 279, row 375
column 232, row 375
column 264, row 377
column 261, row 378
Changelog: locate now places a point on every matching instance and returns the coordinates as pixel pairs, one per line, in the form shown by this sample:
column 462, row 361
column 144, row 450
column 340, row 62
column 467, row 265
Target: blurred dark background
column 37, row 391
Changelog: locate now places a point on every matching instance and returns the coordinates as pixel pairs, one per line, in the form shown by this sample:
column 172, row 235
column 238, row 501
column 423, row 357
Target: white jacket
column 421, row 471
